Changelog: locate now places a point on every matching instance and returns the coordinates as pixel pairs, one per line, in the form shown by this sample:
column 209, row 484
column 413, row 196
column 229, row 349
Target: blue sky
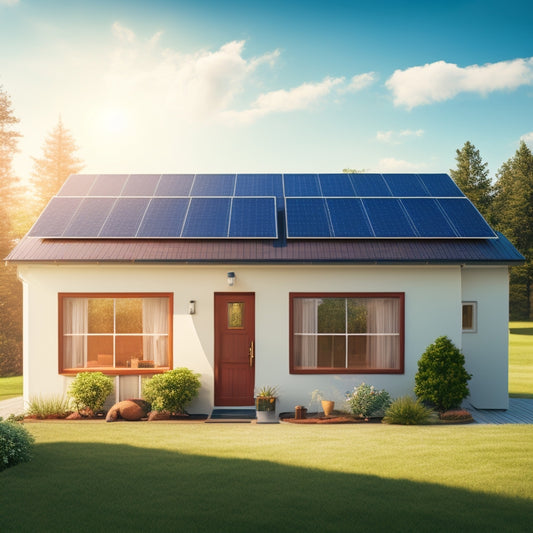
column 273, row 86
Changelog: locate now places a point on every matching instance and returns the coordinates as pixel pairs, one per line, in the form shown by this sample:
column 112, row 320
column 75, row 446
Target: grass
column 521, row 359
column 10, row 387
column 135, row 476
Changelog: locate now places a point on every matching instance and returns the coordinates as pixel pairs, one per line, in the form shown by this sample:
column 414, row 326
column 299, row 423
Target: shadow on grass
column 521, row 331
column 99, row 487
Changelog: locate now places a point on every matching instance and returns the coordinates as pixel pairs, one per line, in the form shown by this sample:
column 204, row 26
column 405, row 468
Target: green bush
column 51, row 407
column 89, row 390
column 407, row 411
column 366, row 401
column 15, row 444
column 442, row 379
column 173, row 390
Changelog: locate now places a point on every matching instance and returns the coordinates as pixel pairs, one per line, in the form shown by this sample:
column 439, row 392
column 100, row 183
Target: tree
column 10, row 289
column 472, row 177
column 57, row 164
column 512, row 213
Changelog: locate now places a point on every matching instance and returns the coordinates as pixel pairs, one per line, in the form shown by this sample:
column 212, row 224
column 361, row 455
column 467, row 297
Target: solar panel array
column 240, row 206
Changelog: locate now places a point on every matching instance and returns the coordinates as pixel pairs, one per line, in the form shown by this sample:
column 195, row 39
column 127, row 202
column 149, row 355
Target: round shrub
column 366, row 401
column 173, row 390
column 89, row 390
column 442, row 379
column 15, row 444
column 408, row 412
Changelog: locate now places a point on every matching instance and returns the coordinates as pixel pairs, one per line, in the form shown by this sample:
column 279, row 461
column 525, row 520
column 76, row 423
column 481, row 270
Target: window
column 115, row 333
column 469, row 317
column 347, row 333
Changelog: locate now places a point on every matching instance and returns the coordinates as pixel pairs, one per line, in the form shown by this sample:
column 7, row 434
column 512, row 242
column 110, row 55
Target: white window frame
column 473, row 305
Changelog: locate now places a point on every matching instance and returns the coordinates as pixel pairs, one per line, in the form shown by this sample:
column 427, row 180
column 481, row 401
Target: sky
column 201, row 86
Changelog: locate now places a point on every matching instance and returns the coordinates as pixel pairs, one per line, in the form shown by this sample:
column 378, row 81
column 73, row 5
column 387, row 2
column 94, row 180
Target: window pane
column 305, row 315
column 236, row 315
column 383, row 315
column 357, row 352
column 129, row 351
column 129, row 315
column 331, row 351
column 332, row 315
column 100, row 313
column 100, row 351
column 357, row 315
column 305, row 351
column 468, row 316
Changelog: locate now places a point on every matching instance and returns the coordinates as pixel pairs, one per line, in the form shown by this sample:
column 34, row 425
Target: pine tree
column 513, row 216
column 472, row 177
column 57, row 163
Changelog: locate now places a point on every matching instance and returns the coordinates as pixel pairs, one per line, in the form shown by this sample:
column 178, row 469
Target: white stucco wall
column 433, row 296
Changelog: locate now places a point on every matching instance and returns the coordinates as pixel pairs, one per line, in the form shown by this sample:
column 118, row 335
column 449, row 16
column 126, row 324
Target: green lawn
column 521, row 359
column 159, row 476
column 10, row 387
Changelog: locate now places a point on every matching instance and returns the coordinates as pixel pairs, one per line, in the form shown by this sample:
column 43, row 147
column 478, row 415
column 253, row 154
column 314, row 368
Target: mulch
column 314, row 418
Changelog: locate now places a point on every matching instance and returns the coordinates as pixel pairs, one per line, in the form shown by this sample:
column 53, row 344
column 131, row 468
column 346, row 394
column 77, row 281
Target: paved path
column 13, row 406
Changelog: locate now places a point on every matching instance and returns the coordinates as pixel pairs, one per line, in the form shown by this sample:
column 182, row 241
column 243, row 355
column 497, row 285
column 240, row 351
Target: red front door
column 234, row 348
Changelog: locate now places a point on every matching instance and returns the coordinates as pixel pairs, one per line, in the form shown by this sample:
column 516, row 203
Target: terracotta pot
column 327, row 406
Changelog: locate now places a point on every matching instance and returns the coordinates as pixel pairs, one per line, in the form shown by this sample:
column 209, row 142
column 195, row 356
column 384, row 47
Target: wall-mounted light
column 231, row 278
column 192, row 307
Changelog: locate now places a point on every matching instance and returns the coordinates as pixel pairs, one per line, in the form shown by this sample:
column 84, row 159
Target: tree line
column 507, row 204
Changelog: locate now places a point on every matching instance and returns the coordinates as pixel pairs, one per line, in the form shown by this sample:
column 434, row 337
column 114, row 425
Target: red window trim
column 107, row 370
column 399, row 295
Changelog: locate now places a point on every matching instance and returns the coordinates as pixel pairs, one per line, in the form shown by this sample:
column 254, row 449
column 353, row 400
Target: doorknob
column 251, row 353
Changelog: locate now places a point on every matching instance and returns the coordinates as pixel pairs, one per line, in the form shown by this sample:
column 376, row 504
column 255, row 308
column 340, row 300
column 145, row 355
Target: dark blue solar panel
column 253, row 217
column 125, row 217
column 427, row 217
column 301, row 185
column 466, row 218
column 164, row 218
column 90, row 217
column 307, row 218
column 108, row 185
column 77, row 185
column 260, row 185
column 336, row 185
column 140, row 185
column 387, row 218
column 174, row 185
column 405, row 185
column 207, row 217
column 213, row 185
column 348, row 218
column 440, row 185
column 55, row 218
column 369, row 185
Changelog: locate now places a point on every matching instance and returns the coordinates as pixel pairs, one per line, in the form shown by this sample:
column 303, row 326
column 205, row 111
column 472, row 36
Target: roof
column 262, row 218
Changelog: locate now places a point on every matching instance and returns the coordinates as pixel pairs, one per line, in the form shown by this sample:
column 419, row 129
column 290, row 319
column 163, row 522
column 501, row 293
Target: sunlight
column 115, row 120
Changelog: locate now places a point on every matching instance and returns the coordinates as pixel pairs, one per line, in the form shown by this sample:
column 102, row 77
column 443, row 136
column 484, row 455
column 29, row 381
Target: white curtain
column 75, row 329
column 306, row 321
column 155, row 330
column 383, row 329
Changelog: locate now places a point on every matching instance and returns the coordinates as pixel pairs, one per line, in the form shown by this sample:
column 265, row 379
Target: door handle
column 251, row 353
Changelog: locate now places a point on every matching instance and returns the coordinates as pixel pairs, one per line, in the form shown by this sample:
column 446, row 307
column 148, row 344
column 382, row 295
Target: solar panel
column 253, row 217
column 336, row 185
column 124, row 218
column 207, row 217
column 428, row 218
column 369, row 185
column 260, row 185
column 348, row 218
column 387, row 218
column 108, row 185
column 77, row 185
column 55, row 218
column 89, row 218
column 440, row 185
column 140, row 185
column 466, row 218
column 174, row 185
column 297, row 185
column 164, row 218
column 307, row 218
column 213, row 185
column 405, row 185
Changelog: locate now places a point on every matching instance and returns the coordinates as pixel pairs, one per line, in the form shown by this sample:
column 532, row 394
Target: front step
column 243, row 416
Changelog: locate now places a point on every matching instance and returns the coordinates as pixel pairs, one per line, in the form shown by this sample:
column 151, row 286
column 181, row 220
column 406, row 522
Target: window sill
column 346, row 370
column 115, row 371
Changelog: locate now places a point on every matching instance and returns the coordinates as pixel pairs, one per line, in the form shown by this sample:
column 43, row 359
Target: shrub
column 15, row 444
column 173, row 390
column 408, row 412
column 89, row 390
column 366, row 401
column 441, row 378
column 456, row 414
column 51, row 407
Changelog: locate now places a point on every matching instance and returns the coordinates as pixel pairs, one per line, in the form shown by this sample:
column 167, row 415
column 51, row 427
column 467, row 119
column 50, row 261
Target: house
column 304, row 281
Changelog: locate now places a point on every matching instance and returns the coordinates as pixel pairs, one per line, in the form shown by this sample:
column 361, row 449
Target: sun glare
column 115, row 120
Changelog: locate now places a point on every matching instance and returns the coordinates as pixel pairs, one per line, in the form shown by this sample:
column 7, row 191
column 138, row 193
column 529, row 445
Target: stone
column 127, row 410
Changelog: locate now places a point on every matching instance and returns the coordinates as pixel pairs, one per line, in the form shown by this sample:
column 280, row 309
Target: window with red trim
column 347, row 333
column 115, row 333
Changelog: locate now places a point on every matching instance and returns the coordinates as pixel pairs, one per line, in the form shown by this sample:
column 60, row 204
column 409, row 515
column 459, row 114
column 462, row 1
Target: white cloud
column 359, row 82
column 439, row 81
column 123, row 33
column 397, row 137
column 528, row 138
column 8, row 2
column 391, row 164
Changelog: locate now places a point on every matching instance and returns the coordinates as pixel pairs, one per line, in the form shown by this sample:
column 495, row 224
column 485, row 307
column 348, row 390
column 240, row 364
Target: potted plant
column 265, row 405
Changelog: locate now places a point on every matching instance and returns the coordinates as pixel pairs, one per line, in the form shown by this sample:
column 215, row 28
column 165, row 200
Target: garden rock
column 127, row 410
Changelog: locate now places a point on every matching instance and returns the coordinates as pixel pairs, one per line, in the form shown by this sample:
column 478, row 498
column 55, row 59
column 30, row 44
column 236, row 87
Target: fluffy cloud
column 8, row 2
column 397, row 137
column 528, row 138
column 359, row 82
column 391, row 164
column 439, row 81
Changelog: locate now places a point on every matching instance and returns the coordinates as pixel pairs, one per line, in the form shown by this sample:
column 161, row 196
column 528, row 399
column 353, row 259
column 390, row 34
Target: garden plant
column 15, row 444
column 89, row 391
column 366, row 401
column 407, row 411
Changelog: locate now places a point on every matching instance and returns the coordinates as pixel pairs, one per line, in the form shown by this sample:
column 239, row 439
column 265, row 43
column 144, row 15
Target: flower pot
column 265, row 410
column 327, row 406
